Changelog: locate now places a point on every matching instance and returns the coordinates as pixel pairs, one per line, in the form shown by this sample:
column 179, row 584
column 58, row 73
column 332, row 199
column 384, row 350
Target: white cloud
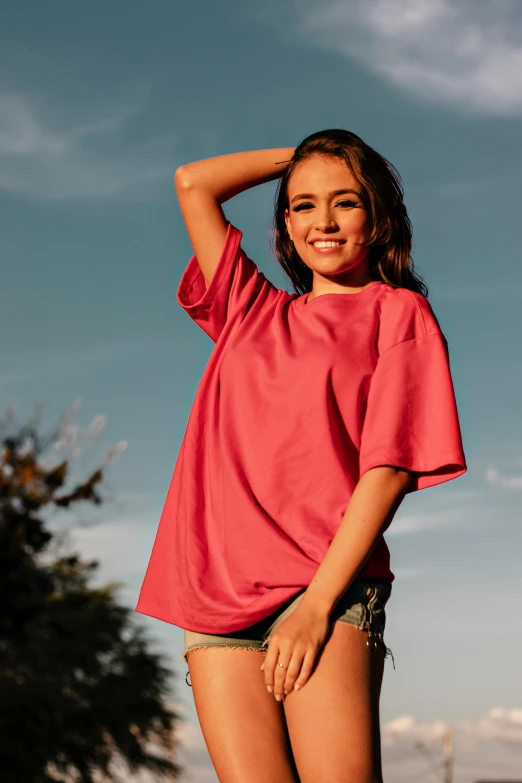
column 451, row 508
column 406, row 523
column 488, row 743
column 467, row 54
column 405, row 730
column 499, row 725
column 509, row 482
column 41, row 161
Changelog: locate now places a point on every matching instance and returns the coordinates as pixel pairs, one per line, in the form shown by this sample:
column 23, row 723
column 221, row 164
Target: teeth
column 326, row 244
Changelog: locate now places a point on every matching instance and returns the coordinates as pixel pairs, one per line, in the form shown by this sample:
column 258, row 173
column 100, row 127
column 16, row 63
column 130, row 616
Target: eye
column 307, row 205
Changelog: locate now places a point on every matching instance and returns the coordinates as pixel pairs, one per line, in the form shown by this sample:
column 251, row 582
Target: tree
column 79, row 683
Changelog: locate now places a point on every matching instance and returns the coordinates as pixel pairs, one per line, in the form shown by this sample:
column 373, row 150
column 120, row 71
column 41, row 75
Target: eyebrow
column 332, row 193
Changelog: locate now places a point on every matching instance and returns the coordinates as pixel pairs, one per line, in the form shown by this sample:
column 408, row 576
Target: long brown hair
column 390, row 240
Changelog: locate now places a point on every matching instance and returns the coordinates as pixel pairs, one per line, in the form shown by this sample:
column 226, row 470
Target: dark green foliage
column 79, row 683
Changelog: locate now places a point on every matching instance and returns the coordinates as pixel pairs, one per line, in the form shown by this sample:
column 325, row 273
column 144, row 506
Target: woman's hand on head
column 296, row 643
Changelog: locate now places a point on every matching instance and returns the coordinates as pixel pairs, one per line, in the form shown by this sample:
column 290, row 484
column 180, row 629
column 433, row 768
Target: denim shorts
column 361, row 605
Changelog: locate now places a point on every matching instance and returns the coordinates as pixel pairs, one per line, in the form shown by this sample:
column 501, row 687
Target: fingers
column 281, row 681
column 290, row 675
column 306, row 669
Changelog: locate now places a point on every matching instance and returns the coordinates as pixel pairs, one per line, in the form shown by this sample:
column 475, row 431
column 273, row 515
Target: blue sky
column 99, row 104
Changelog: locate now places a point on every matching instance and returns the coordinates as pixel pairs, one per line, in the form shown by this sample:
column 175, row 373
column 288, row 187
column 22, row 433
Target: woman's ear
column 287, row 221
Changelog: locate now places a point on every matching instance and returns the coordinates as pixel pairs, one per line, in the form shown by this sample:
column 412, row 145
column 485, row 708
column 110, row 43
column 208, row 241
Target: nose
column 325, row 227
column 325, row 221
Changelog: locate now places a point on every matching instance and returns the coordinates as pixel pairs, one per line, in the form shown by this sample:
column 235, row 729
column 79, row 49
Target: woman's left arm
column 375, row 499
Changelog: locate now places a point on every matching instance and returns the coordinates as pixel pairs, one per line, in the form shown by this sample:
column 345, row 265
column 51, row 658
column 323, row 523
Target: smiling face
column 318, row 212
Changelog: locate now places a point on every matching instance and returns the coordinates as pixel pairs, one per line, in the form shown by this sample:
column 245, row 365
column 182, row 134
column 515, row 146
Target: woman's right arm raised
column 204, row 185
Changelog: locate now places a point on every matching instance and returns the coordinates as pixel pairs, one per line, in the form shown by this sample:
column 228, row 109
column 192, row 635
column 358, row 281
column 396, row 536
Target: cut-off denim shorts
column 361, row 605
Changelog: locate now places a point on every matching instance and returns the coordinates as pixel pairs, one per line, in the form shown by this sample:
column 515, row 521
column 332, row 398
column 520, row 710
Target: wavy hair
column 390, row 240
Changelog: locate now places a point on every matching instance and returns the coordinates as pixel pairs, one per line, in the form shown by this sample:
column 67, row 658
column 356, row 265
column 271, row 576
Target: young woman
column 317, row 412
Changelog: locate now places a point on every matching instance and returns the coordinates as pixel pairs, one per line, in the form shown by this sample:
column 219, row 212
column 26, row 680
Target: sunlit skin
column 329, row 216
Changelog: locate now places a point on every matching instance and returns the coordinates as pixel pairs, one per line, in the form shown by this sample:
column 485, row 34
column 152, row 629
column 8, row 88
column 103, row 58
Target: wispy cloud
column 500, row 724
column 404, row 729
column 443, row 517
column 487, row 743
column 40, row 160
column 467, row 54
column 509, row 482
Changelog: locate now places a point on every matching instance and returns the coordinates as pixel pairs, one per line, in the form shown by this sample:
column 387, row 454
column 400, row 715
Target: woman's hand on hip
column 296, row 644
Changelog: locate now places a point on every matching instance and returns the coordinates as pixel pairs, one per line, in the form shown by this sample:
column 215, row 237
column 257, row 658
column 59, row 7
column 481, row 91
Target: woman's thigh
column 333, row 720
column 243, row 726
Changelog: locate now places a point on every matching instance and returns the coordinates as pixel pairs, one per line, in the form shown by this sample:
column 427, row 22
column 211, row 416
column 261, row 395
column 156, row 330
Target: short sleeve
column 411, row 419
column 235, row 284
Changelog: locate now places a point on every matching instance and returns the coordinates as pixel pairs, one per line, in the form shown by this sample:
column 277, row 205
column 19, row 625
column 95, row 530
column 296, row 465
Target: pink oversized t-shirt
column 298, row 400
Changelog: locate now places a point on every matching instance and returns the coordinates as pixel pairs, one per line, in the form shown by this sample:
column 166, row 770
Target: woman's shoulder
column 405, row 315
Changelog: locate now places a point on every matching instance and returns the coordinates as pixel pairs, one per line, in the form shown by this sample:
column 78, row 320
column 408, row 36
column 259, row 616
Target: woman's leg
column 243, row 725
column 333, row 721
